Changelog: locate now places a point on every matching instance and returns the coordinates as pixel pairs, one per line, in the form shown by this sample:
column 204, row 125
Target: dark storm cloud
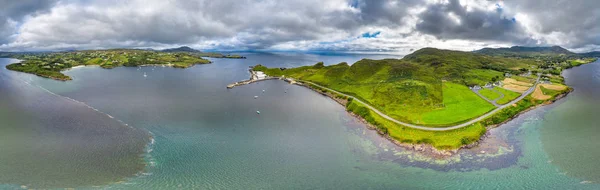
column 295, row 24
column 250, row 24
column 453, row 21
column 384, row 12
column 578, row 20
column 13, row 11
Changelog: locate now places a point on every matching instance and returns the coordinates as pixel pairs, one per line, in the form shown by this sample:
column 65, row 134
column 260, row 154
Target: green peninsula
column 51, row 65
column 433, row 96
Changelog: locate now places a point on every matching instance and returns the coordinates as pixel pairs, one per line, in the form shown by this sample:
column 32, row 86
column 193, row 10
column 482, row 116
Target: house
column 488, row 85
column 526, row 74
column 260, row 75
column 498, row 84
column 507, row 75
column 476, row 87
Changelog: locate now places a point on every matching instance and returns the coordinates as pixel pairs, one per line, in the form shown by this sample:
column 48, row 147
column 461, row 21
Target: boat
column 255, row 97
column 145, row 74
column 257, row 112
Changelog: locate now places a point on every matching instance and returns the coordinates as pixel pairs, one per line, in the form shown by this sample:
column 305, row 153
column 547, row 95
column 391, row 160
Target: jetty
column 257, row 76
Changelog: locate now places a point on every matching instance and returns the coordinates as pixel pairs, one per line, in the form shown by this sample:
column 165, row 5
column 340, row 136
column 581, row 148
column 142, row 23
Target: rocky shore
column 424, row 149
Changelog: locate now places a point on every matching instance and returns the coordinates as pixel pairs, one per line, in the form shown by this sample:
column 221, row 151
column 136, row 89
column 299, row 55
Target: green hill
column 521, row 51
column 186, row 49
column 50, row 65
column 427, row 87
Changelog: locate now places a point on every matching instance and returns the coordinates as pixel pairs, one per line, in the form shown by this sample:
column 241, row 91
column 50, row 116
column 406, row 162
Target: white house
column 260, row 75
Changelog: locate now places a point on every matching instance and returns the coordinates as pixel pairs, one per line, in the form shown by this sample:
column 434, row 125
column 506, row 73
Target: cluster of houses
column 488, row 85
column 527, row 74
column 545, row 80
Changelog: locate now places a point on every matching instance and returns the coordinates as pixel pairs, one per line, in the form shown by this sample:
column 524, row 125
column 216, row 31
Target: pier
column 257, row 76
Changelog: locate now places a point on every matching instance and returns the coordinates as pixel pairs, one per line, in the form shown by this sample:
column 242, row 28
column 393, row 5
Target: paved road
column 529, row 91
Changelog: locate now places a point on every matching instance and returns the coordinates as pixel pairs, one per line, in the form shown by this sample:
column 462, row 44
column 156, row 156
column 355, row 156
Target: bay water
column 183, row 129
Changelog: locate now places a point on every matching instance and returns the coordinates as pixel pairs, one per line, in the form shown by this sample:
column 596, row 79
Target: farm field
column 490, row 94
column 460, row 104
column 508, row 95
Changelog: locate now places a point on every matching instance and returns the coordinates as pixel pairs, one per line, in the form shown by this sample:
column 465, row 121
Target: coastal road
column 425, row 128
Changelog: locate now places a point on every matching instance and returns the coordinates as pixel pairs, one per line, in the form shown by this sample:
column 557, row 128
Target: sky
column 395, row 26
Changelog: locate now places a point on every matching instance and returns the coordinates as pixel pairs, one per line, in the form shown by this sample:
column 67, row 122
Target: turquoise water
column 208, row 137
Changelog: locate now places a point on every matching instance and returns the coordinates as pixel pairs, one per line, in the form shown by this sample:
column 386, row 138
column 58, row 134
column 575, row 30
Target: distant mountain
column 181, row 49
column 5, row 54
column 591, row 54
column 521, row 51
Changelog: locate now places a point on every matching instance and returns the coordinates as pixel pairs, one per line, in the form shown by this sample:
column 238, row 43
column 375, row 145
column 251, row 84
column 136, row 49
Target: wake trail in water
column 76, row 101
column 149, row 147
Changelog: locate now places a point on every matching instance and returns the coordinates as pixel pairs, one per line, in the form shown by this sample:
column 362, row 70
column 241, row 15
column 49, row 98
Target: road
column 425, row 128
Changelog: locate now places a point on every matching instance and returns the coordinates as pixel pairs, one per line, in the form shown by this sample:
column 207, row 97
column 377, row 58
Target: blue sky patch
column 371, row 35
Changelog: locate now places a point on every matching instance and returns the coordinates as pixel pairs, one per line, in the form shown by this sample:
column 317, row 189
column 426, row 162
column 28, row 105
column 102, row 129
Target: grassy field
column 508, row 95
column 489, row 94
column 402, row 90
column 410, row 89
column 439, row 139
column 460, row 104
column 482, row 76
column 428, row 88
column 549, row 92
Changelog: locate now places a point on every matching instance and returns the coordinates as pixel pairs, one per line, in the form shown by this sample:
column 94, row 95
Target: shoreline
column 425, row 149
column 69, row 78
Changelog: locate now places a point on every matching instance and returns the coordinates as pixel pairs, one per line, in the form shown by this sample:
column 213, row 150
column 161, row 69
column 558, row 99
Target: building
column 260, row 75
column 498, row 84
column 476, row 87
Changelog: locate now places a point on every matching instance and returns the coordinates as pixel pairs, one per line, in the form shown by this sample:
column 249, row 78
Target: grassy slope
column 403, row 90
column 411, row 90
column 508, row 95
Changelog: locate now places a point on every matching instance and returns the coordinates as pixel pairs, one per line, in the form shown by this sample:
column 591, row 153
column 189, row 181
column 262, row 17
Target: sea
column 183, row 129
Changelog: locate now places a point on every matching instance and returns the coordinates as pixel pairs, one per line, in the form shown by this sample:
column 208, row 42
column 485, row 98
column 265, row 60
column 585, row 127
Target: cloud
column 252, row 24
column 452, row 20
column 573, row 24
column 12, row 12
column 340, row 25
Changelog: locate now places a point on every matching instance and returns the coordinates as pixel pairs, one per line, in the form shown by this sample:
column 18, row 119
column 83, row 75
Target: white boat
column 145, row 74
column 257, row 112
column 255, row 97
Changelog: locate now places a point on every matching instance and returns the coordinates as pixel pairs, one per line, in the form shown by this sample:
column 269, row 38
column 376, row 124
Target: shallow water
column 209, row 137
